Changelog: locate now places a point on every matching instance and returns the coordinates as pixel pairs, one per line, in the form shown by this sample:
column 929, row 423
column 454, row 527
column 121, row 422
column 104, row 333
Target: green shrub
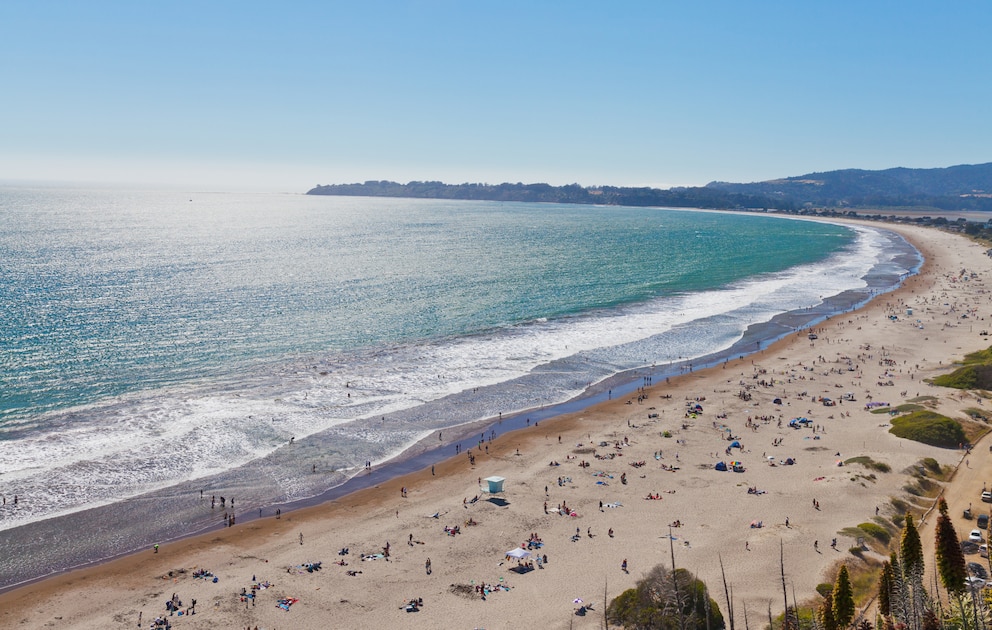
column 652, row 604
column 975, row 373
column 978, row 415
column 869, row 463
column 876, row 531
column 978, row 376
column 906, row 408
column 929, row 428
column 978, row 357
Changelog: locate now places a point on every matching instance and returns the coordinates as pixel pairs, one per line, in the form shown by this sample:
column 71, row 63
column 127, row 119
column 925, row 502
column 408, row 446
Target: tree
column 827, row 612
column 667, row 600
column 911, row 548
column 898, row 596
column 843, row 599
column 911, row 559
column 951, row 564
column 885, row 589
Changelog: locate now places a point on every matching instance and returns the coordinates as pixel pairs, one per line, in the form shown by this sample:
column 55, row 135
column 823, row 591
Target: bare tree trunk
column 785, row 596
column 726, row 593
column 606, row 622
column 795, row 604
column 675, row 581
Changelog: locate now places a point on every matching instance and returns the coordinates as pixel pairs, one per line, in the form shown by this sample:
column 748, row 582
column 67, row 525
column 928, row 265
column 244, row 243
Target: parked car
column 983, row 521
column 975, row 536
column 975, row 582
column 987, row 496
column 978, row 570
column 983, row 551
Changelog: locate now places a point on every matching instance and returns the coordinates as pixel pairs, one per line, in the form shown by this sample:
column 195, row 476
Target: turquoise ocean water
column 151, row 339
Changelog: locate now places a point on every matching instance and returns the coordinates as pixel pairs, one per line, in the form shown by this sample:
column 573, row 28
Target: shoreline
column 45, row 537
column 714, row 506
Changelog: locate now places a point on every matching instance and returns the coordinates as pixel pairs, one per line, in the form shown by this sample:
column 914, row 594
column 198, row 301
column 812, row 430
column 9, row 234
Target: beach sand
column 857, row 353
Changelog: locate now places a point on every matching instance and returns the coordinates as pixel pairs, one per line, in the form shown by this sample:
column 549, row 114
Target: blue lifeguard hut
column 494, row 485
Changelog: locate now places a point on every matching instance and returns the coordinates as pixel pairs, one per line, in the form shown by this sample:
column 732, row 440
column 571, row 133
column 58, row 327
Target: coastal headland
column 608, row 491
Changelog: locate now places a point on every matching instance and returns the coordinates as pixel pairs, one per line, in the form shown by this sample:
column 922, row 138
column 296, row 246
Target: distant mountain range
column 965, row 187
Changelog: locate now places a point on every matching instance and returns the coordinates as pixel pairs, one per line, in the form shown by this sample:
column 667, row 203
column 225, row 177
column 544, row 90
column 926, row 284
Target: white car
column 975, row 582
column 983, row 551
column 987, row 496
column 975, row 536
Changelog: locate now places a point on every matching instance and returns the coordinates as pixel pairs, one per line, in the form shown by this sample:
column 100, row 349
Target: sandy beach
column 599, row 466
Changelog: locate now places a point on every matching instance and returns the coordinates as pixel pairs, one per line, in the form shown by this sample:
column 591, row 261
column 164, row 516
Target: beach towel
column 286, row 603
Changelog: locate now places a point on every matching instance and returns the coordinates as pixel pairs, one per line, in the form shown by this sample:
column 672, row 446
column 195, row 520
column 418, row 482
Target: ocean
column 265, row 347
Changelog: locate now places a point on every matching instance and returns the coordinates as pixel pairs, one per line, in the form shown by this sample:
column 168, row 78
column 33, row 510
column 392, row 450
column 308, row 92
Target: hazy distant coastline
column 956, row 188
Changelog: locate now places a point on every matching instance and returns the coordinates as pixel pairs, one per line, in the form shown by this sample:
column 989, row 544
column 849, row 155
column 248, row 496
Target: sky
column 282, row 96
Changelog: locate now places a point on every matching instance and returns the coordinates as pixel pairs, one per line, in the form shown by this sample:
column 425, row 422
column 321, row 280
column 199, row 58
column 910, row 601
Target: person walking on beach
column 301, row 538
column 427, row 566
column 623, row 565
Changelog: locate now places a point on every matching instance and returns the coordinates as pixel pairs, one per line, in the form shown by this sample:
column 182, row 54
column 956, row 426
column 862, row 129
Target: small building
column 495, row 485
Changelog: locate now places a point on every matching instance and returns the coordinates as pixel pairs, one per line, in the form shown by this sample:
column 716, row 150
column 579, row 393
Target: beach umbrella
column 577, row 600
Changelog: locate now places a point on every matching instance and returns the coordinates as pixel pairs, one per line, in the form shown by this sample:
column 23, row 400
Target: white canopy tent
column 519, row 553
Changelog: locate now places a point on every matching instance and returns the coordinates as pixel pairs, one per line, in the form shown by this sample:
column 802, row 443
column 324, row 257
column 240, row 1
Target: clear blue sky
column 285, row 95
